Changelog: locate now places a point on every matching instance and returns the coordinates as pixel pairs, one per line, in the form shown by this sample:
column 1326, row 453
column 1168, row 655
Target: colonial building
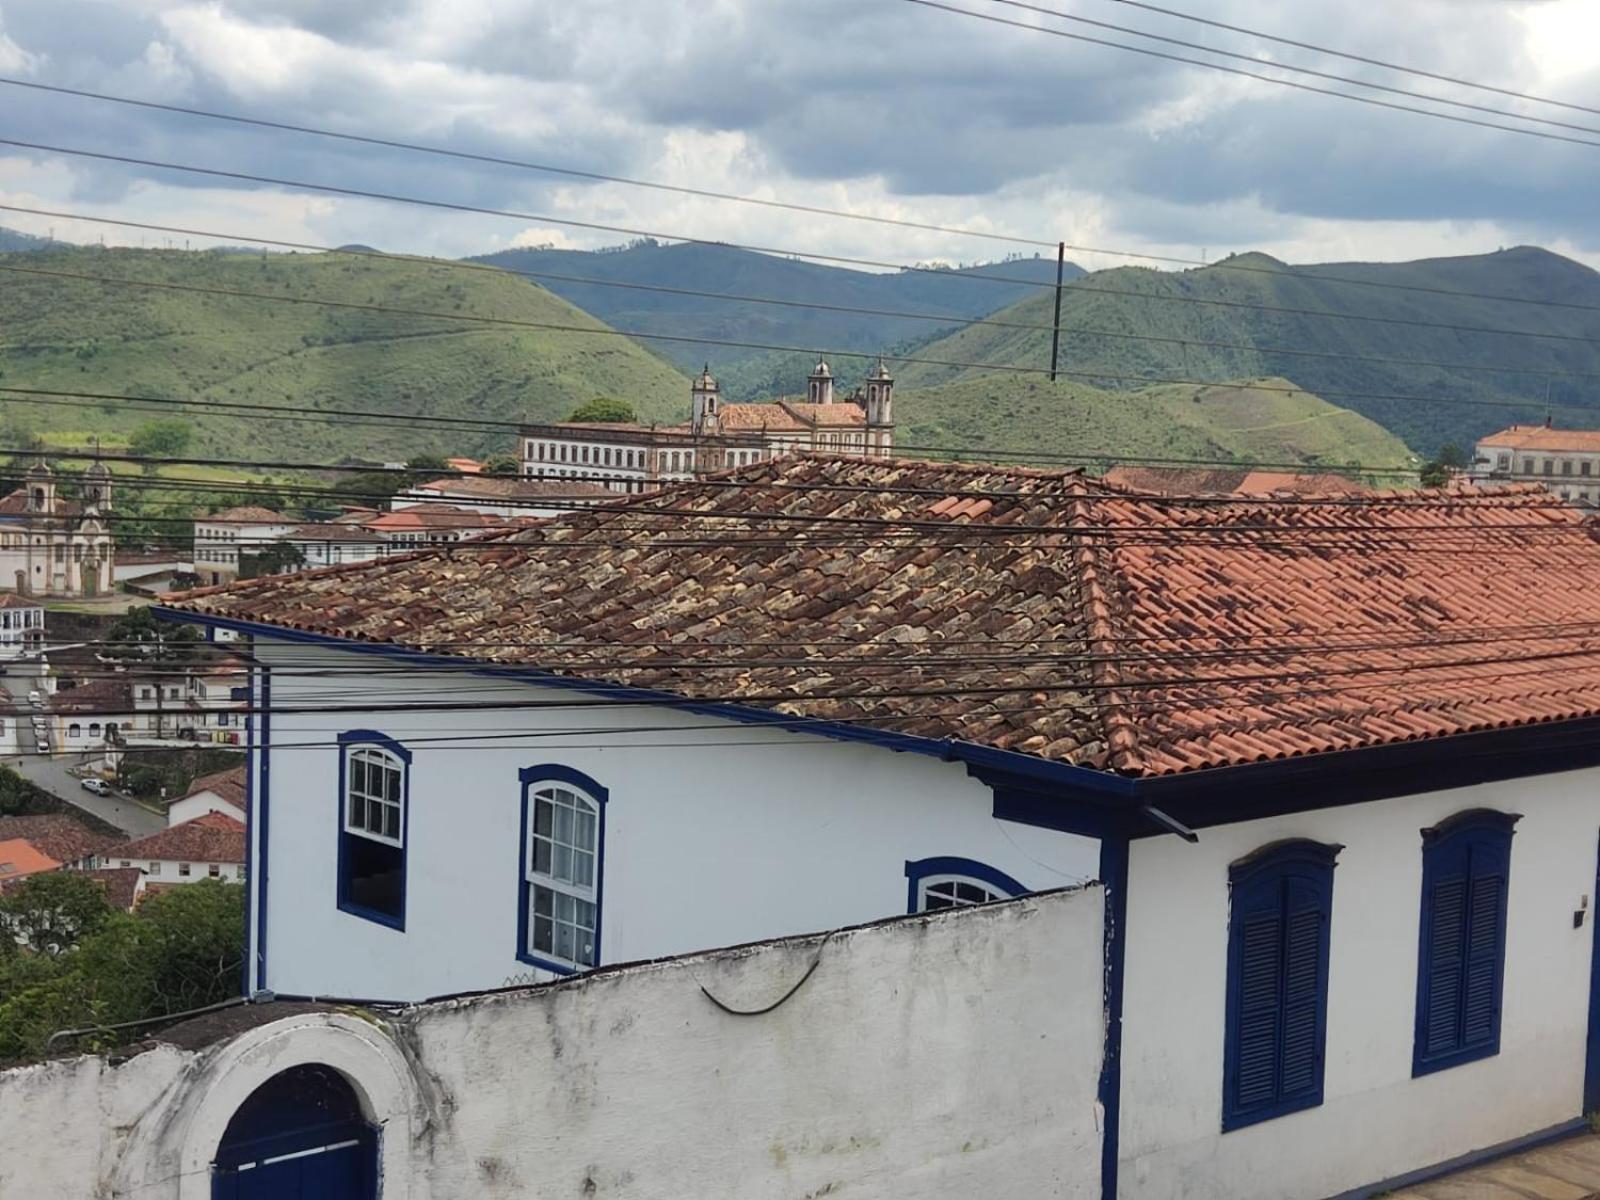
column 21, row 626
column 210, row 846
column 1567, row 461
column 52, row 546
column 1347, row 840
column 634, row 458
column 221, row 539
column 504, row 496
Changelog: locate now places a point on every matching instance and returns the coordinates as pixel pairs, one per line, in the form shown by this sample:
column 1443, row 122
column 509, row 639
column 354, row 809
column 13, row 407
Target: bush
column 606, row 409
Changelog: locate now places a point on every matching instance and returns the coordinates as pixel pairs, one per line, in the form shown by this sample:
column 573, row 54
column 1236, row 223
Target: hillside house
column 21, row 626
column 220, row 792
column 53, row 546
column 211, row 846
column 633, row 458
column 54, row 841
column 1341, row 803
column 220, row 539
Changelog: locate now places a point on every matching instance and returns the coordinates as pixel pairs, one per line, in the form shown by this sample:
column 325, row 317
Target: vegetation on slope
column 997, row 416
column 84, row 336
column 1426, row 405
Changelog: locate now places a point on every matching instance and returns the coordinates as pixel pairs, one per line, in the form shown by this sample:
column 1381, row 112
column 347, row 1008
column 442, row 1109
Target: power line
column 1360, row 58
column 1288, row 83
column 1298, row 70
column 935, row 318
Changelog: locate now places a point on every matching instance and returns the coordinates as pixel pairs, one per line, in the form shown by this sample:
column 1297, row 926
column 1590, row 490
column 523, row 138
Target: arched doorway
column 299, row 1136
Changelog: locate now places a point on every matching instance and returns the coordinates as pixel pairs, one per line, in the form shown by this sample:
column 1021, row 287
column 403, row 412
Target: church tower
column 819, row 388
column 41, row 489
column 707, row 398
column 97, row 486
column 880, row 408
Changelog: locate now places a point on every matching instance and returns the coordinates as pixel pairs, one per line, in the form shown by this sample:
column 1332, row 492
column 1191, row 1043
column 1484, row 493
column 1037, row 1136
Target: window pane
column 564, row 824
column 393, row 793
column 541, row 817
column 543, row 935
column 358, row 774
column 585, row 830
column 541, row 857
column 543, row 901
column 358, row 809
column 582, row 869
column 392, row 822
column 566, row 943
column 563, row 863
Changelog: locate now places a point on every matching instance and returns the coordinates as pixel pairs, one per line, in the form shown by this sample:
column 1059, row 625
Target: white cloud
column 13, row 58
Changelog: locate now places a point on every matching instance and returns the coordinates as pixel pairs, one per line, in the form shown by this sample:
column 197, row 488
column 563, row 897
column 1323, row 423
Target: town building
column 1566, row 461
column 201, row 700
column 221, row 538
column 1347, row 840
column 632, row 458
column 220, row 792
column 505, row 496
column 21, row 626
column 56, row 547
column 211, row 846
column 48, row 842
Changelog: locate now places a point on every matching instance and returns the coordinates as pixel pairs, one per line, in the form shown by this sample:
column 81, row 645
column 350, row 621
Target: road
column 51, row 774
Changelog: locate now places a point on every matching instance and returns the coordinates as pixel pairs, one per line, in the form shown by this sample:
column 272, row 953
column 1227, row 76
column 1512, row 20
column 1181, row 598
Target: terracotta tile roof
column 435, row 516
column 246, row 514
column 215, row 837
column 328, row 531
column 121, row 884
column 56, row 835
column 1542, row 437
column 16, row 504
column 1024, row 610
column 775, row 418
column 113, row 697
column 12, row 600
column 1233, row 481
column 20, row 858
column 505, row 487
column 843, row 413
column 225, row 785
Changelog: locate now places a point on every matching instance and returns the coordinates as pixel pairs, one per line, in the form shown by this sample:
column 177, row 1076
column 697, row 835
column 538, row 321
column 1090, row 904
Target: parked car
column 98, row 786
column 35, row 699
column 44, row 747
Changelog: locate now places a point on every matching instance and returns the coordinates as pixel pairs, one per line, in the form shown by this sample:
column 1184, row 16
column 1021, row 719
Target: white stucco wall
column 715, row 833
column 950, row 1055
column 1376, row 1122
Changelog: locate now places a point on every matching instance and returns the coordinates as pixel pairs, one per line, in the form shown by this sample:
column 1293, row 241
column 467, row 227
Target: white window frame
column 951, row 882
column 564, row 886
column 370, row 757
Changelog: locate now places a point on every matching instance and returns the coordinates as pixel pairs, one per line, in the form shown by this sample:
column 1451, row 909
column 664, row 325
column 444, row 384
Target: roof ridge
column 1122, row 739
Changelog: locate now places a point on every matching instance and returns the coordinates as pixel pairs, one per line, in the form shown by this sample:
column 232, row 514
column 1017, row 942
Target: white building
column 220, row 792
column 331, row 544
column 1566, row 461
column 1347, row 838
column 220, row 538
column 634, row 458
column 21, row 626
column 52, row 546
column 197, row 701
column 208, row 847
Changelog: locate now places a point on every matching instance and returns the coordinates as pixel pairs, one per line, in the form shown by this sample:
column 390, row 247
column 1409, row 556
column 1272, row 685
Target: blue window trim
column 1489, row 832
column 555, row 773
column 355, row 739
column 922, row 868
column 1301, row 861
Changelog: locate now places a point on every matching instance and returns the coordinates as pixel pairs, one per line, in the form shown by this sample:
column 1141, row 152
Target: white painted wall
column 726, row 834
column 199, row 804
column 953, row 1055
column 1375, row 1122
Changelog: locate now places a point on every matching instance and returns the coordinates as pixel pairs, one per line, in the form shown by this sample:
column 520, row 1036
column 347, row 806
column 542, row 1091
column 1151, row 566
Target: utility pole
column 1055, row 337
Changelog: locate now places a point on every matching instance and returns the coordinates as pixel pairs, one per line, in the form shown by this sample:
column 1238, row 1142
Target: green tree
column 503, row 464
column 164, row 437
column 52, row 911
column 137, row 634
column 1451, row 455
column 427, row 464
column 277, row 559
column 1435, row 474
column 606, row 409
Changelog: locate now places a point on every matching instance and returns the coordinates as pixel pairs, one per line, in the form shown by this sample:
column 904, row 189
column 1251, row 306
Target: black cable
column 816, row 961
column 1288, row 83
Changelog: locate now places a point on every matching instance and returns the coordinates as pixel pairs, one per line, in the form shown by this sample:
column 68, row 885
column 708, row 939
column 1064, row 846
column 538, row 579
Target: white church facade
column 54, row 546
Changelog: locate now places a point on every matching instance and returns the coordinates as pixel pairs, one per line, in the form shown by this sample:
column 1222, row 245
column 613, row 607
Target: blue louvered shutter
column 1277, row 982
column 1466, row 871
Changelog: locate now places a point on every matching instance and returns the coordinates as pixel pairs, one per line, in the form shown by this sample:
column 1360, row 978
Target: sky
column 879, row 107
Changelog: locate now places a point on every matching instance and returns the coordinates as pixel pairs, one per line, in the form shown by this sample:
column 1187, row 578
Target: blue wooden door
column 300, row 1136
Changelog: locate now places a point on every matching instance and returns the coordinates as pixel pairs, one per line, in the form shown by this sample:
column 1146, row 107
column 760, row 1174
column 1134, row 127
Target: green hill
column 998, row 416
column 81, row 336
column 959, row 294
column 1457, row 404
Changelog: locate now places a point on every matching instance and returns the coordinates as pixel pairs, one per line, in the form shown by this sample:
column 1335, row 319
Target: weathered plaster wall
column 1376, row 1122
column 951, row 1055
column 715, row 833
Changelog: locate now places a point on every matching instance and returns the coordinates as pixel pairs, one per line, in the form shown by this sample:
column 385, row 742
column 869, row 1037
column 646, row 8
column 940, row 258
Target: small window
column 1549, row 466
column 214, row 870
column 939, row 883
column 1281, row 906
column 1566, row 466
column 372, row 797
column 74, row 730
column 183, row 869
column 563, row 822
column 154, row 868
column 1466, row 870
column 1586, row 467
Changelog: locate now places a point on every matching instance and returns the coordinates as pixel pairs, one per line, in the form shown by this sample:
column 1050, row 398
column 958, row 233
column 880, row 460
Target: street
column 51, row 774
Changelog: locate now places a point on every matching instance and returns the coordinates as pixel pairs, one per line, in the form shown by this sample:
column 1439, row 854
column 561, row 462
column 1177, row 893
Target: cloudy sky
column 875, row 106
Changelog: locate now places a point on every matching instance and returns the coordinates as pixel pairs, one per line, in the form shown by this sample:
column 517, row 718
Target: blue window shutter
column 1277, row 999
column 1461, row 958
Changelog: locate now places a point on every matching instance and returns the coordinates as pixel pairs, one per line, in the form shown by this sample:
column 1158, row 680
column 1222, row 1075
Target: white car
column 35, row 699
column 44, row 747
column 98, row 786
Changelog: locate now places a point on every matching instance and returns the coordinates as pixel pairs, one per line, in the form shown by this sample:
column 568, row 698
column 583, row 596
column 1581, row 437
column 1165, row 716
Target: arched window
column 1466, row 870
column 1281, row 906
column 562, row 852
column 938, row 883
column 374, row 772
column 301, row 1133
column 74, row 730
column 94, row 729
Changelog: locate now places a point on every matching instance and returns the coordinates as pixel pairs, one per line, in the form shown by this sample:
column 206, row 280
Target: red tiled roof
column 55, row 835
column 12, row 600
column 435, row 516
column 20, row 858
column 112, row 697
column 1232, row 481
column 505, row 487
column 225, row 785
column 245, row 514
column 16, row 504
column 121, row 884
column 1542, row 437
column 1031, row 611
column 215, row 837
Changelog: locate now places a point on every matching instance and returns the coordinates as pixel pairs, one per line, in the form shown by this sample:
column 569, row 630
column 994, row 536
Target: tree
column 1451, row 455
column 503, row 464
column 277, row 559
column 1435, row 474
column 137, row 634
column 605, row 409
column 53, row 911
column 165, row 437
column 427, row 464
